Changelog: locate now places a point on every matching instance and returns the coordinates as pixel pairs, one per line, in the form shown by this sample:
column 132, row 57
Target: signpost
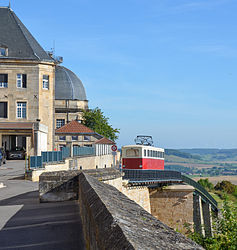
column 114, row 149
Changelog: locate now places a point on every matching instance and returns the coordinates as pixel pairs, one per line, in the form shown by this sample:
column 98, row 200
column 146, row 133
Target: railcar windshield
column 132, row 152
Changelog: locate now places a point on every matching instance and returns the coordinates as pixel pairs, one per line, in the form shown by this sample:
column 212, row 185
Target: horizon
column 160, row 68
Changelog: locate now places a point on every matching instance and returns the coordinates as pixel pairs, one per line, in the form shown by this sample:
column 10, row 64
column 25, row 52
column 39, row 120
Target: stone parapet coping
column 178, row 188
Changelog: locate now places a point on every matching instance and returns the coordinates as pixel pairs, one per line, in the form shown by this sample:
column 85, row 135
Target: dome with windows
column 67, row 85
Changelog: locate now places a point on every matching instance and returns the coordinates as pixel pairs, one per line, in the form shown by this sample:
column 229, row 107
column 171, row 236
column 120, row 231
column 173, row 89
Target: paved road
column 27, row 224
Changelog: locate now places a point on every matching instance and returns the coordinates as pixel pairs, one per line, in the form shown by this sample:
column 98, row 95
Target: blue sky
column 165, row 68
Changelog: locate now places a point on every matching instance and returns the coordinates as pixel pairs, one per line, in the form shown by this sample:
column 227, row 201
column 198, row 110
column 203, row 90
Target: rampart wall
column 110, row 219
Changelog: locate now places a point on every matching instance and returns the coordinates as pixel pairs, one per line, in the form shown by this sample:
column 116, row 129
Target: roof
column 67, row 85
column 74, row 127
column 17, row 38
column 104, row 140
column 144, row 146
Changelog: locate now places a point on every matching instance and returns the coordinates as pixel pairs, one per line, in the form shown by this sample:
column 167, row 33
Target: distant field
column 191, row 165
column 215, row 179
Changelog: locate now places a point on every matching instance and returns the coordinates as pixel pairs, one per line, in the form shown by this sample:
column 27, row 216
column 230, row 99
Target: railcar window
column 144, row 152
column 159, row 155
column 132, row 152
column 156, row 154
column 148, row 152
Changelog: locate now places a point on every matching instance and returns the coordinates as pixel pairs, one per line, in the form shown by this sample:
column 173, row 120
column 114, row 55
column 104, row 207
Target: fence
column 52, row 156
column 57, row 156
column 151, row 175
column 83, row 151
column 201, row 190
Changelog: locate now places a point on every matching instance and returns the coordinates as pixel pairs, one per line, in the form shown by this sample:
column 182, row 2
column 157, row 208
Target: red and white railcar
column 142, row 157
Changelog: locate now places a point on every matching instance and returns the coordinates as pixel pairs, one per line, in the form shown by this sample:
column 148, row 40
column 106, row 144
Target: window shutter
column 3, row 109
column 24, row 80
column 3, row 78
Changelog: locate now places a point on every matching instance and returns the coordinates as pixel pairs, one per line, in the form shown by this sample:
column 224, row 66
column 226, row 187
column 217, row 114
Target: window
column 62, row 138
column 21, row 110
column 3, row 109
column 3, row 51
column 60, row 123
column 45, row 82
column 144, row 152
column 74, row 137
column 21, row 80
column 86, row 138
column 3, row 80
column 132, row 152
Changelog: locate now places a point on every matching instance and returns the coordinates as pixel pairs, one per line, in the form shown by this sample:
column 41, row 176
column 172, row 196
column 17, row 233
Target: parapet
column 113, row 221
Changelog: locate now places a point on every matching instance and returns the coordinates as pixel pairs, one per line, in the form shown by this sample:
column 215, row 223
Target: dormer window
column 3, row 51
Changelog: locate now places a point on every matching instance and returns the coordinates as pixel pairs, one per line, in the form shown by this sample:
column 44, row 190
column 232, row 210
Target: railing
column 83, row 151
column 47, row 157
column 65, row 152
column 162, row 176
column 35, row 162
column 52, row 156
column 200, row 189
column 151, row 175
column 57, row 156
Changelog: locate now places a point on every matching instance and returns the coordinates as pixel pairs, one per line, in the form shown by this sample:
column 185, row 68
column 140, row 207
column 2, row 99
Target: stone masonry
column 173, row 205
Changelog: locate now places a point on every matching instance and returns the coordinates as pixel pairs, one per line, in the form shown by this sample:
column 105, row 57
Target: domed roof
column 67, row 85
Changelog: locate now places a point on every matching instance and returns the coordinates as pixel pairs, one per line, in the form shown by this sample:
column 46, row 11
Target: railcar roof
column 143, row 146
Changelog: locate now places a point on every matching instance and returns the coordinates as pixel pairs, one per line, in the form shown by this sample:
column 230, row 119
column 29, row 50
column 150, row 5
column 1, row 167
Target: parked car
column 3, row 156
column 16, row 153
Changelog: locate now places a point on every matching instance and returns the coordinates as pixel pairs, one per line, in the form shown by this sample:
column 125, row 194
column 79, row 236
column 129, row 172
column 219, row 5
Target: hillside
column 212, row 154
column 202, row 162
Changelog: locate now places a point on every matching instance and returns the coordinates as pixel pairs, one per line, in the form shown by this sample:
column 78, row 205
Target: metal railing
column 52, row 156
column 65, row 152
column 151, row 175
column 83, row 151
column 161, row 176
column 201, row 190
column 35, row 162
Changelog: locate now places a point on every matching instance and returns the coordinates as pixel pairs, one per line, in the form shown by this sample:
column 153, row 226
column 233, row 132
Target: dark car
column 16, row 153
column 3, row 156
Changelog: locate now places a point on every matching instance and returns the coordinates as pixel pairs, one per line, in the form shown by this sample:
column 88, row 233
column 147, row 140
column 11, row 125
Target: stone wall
column 173, row 205
column 110, row 219
column 113, row 221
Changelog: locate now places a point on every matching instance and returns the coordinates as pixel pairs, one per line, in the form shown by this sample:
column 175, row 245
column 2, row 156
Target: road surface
column 27, row 224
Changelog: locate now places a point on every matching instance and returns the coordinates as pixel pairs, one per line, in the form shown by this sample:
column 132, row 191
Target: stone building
column 75, row 133
column 37, row 95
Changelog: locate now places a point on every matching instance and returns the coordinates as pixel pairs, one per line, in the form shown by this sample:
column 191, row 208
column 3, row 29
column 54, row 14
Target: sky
column 165, row 68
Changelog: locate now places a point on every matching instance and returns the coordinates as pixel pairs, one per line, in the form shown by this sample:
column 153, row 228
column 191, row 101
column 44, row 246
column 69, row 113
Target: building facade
column 37, row 95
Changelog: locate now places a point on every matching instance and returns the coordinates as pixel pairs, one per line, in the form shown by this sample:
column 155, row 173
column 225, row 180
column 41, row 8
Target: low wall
column 63, row 185
column 87, row 162
column 113, row 221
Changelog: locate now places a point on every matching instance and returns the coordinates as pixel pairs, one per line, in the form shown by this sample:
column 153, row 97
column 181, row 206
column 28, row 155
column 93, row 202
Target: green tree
column 95, row 120
column 225, row 186
column 206, row 184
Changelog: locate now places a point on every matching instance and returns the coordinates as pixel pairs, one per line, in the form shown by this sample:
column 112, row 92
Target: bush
column 206, row 184
column 226, row 186
column 224, row 230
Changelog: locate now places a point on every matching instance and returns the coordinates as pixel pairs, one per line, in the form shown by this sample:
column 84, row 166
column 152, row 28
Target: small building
column 75, row 134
